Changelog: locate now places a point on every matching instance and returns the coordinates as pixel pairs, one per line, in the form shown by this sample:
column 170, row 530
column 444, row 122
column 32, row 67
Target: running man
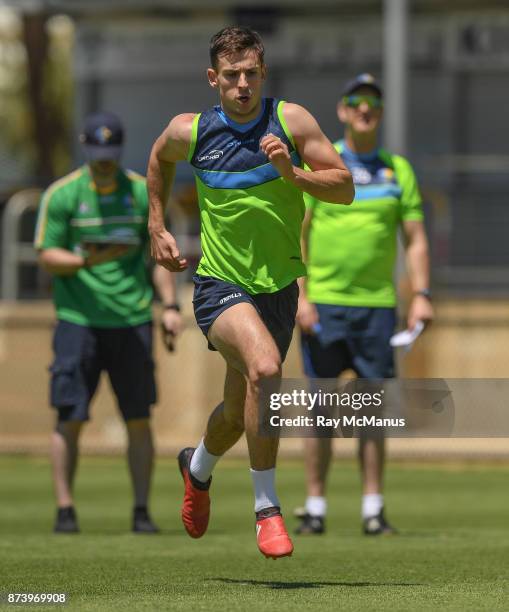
column 347, row 303
column 247, row 154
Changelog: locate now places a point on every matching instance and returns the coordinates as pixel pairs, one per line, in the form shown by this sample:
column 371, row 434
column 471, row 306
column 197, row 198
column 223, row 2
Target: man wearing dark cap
column 91, row 236
column 347, row 302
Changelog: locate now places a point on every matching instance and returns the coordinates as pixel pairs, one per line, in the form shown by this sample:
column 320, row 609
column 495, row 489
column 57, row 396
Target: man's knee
column 69, row 429
column 268, row 366
column 371, row 438
column 136, row 426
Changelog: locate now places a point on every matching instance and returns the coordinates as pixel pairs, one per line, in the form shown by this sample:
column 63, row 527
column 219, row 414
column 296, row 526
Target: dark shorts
column 277, row 310
column 82, row 353
column 350, row 338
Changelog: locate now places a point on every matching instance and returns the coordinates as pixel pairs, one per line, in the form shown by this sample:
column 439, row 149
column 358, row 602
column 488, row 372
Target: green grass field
column 452, row 553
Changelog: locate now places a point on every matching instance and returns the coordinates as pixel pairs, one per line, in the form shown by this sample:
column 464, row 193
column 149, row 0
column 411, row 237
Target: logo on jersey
column 229, row 297
column 240, row 143
column 215, row 154
column 361, row 176
column 83, row 208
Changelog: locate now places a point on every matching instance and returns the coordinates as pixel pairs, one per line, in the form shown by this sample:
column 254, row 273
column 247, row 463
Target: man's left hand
column 420, row 309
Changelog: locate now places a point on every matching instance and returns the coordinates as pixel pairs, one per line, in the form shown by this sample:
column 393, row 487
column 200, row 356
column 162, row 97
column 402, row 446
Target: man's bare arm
column 307, row 315
column 304, row 241
column 304, row 237
column 329, row 180
column 417, row 255
column 62, row 262
column 171, row 146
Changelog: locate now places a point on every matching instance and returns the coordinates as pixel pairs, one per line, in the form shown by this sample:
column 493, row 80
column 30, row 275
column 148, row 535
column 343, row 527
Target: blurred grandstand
column 146, row 60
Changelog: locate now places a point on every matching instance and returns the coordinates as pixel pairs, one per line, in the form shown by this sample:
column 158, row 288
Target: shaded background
column 445, row 67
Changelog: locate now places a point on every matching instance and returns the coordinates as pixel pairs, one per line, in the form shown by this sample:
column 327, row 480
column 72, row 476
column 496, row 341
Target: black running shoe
column 142, row 523
column 378, row 525
column 310, row 525
column 66, row 521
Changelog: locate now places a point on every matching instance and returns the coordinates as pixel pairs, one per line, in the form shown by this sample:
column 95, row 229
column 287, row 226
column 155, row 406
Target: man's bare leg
column 317, row 456
column 248, row 348
column 235, row 334
column 243, row 340
column 224, row 428
column 372, row 458
column 140, row 457
column 318, row 453
column 226, row 423
column 64, row 460
column 246, row 344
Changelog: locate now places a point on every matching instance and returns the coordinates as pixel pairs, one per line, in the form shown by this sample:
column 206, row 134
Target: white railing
column 14, row 252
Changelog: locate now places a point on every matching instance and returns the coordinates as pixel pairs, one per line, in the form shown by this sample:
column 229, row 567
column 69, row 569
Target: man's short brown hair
column 232, row 40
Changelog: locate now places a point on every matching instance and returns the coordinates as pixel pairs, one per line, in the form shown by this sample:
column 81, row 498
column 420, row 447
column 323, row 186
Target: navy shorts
column 350, row 337
column 277, row 310
column 82, row 353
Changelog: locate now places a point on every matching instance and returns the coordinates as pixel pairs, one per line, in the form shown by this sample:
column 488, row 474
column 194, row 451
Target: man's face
column 239, row 78
column 361, row 110
column 104, row 169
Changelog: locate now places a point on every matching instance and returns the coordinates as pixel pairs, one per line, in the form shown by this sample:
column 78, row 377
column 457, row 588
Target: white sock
column 372, row 504
column 316, row 505
column 202, row 463
column 265, row 493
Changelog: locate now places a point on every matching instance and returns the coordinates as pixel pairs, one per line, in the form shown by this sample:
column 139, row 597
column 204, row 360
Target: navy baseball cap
column 102, row 137
column 362, row 80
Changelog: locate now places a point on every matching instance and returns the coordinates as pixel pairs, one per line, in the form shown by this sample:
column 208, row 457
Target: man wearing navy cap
column 347, row 302
column 91, row 236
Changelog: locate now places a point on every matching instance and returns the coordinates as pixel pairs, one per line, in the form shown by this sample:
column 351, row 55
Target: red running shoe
column 195, row 510
column 271, row 535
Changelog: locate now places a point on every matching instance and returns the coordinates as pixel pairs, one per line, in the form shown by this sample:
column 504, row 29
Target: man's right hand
column 171, row 326
column 96, row 255
column 307, row 316
column 164, row 250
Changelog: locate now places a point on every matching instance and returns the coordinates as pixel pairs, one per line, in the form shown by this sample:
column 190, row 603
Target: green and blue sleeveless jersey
column 117, row 293
column 250, row 217
column 352, row 249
